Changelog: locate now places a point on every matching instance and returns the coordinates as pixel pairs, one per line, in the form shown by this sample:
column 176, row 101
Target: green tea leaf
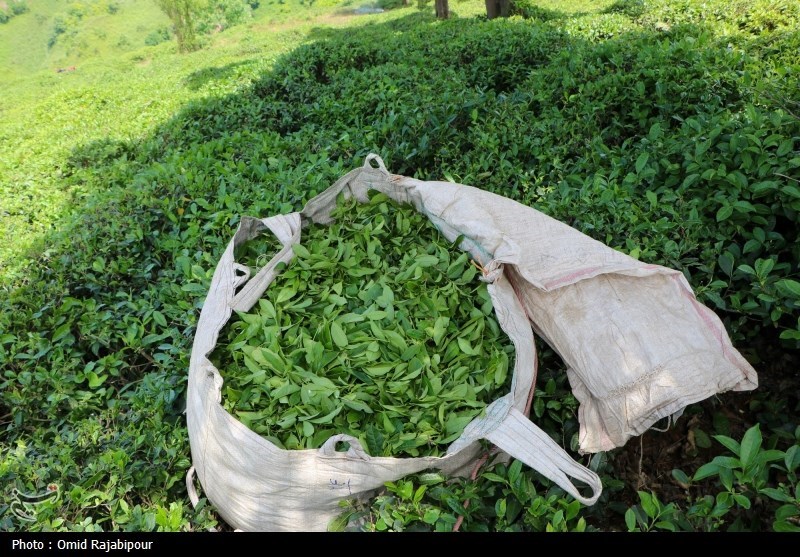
column 431, row 516
column 731, row 444
column 751, row 444
column 706, row 471
column 379, row 370
column 338, row 335
column 789, row 287
column 327, row 418
column 427, row 260
column 159, row 318
column 785, row 147
column 764, row 266
column 724, row 213
column 726, row 263
column 641, row 161
column 630, row 520
column 96, row 380
column 375, row 440
column 375, row 315
column 649, row 505
column 301, row 251
column 341, row 521
column 466, row 347
column 285, row 295
column 776, row 494
column 357, row 405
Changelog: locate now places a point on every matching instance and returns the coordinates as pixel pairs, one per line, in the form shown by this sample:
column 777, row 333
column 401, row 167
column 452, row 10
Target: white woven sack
column 638, row 345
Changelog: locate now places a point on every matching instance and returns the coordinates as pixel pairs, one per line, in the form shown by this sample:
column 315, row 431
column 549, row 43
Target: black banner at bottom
column 140, row 543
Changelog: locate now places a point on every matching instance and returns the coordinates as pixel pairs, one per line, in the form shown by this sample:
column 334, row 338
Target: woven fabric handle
column 523, row 440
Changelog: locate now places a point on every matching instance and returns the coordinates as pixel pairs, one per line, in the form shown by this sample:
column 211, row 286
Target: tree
column 181, row 13
column 498, row 8
column 442, row 9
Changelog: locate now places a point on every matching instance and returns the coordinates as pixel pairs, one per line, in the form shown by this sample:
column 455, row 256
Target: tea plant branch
column 473, row 476
column 787, row 177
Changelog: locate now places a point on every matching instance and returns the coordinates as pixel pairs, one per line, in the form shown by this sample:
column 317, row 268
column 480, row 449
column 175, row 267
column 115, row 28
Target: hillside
column 667, row 129
column 58, row 34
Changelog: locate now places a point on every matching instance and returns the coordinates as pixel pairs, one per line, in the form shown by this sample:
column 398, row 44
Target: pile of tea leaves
column 379, row 328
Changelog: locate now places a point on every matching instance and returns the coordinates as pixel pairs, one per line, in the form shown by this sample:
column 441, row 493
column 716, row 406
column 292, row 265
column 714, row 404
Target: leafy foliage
column 182, row 14
column 160, row 35
column 502, row 499
column 375, row 329
column 746, row 498
column 218, row 15
column 12, row 8
column 668, row 130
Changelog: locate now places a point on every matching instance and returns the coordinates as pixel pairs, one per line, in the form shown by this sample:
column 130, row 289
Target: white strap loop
column 190, row 487
column 355, row 451
column 287, row 229
column 373, row 157
column 520, row 438
column 240, row 279
column 513, row 433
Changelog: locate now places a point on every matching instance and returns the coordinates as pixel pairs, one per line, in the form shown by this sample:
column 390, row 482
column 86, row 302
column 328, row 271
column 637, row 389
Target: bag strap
column 513, row 433
column 287, row 229
column 544, row 455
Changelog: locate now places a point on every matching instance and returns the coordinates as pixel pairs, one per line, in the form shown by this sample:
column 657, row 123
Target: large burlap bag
column 638, row 345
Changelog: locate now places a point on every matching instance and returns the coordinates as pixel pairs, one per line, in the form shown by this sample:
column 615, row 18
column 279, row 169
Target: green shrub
column 221, row 14
column 389, row 4
column 629, row 8
column 13, row 8
column 60, row 27
column 18, row 7
column 529, row 9
column 160, row 35
column 747, row 500
column 670, row 134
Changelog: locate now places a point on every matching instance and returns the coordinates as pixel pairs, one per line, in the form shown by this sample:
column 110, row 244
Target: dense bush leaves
column 666, row 129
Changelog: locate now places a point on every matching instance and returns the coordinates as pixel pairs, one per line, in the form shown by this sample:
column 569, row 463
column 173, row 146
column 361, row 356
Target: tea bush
column 668, row 130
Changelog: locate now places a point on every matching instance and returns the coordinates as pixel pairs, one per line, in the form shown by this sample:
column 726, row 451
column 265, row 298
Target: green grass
column 120, row 93
column 118, row 97
column 668, row 130
column 97, row 34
